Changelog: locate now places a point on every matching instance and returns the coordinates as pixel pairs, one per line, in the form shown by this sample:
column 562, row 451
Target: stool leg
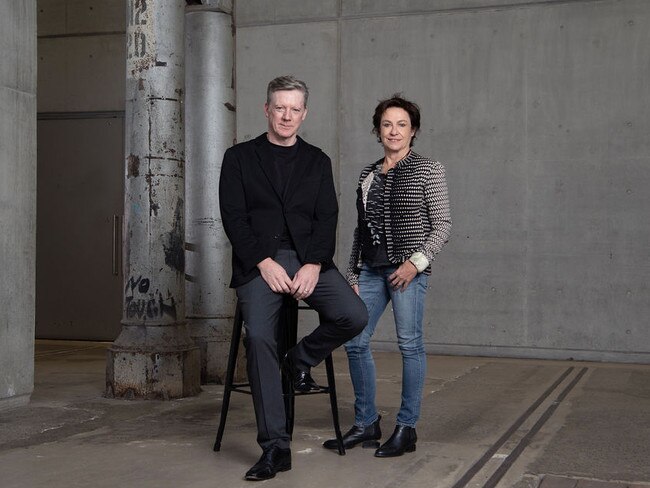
column 230, row 374
column 331, row 385
column 289, row 405
column 290, row 334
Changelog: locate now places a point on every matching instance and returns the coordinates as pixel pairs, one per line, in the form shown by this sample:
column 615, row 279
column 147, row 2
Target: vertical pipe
column 210, row 130
column 154, row 356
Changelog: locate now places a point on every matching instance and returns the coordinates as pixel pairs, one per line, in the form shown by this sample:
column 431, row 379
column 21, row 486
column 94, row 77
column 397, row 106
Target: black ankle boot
column 368, row 437
column 403, row 440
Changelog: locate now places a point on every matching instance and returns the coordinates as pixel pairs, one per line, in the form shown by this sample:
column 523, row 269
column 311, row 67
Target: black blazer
column 253, row 211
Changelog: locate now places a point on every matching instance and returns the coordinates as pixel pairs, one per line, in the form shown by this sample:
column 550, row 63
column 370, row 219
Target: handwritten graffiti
column 136, row 45
column 136, row 14
column 142, row 284
column 136, row 39
column 151, row 305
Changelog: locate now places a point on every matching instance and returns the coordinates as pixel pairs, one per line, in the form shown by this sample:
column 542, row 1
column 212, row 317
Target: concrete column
column 154, row 355
column 17, row 200
column 209, row 131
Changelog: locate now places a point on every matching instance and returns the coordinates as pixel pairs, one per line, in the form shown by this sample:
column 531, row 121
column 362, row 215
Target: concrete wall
column 540, row 113
column 17, row 200
column 82, row 55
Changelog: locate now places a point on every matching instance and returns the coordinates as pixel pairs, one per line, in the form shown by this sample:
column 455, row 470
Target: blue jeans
column 408, row 310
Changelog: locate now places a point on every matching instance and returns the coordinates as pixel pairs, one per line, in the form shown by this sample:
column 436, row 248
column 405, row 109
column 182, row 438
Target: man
column 279, row 210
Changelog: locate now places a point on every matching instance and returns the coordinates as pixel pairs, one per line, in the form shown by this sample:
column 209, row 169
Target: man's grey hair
column 288, row 82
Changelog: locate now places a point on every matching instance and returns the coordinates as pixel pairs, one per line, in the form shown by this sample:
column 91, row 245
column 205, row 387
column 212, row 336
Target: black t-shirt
column 284, row 160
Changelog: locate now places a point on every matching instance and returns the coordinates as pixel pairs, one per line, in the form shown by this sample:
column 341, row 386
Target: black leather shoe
column 301, row 379
column 368, row 437
column 403, row 440
column 273, row 460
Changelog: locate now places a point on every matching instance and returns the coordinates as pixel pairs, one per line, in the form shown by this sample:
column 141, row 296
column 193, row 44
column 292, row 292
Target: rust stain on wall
column 142, row 64
column 133, row 166
column 168, row 149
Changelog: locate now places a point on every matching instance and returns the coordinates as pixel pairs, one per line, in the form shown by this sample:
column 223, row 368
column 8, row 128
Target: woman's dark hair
column 396, row 101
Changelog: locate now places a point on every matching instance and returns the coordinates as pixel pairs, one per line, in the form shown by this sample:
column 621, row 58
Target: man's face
column 285, row 113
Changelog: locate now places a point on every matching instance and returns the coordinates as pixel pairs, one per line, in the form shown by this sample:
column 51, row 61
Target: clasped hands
column 300, row 287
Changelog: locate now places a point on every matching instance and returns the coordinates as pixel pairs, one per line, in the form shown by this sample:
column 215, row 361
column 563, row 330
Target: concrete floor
column 547, row 424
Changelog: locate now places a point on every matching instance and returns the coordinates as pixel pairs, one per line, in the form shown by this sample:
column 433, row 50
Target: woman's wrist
column 420, row 261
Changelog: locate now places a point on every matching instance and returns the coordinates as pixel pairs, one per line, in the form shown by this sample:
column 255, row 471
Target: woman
column 403, row 222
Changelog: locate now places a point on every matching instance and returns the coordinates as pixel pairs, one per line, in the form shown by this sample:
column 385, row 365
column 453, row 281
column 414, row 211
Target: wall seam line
column 418, row 13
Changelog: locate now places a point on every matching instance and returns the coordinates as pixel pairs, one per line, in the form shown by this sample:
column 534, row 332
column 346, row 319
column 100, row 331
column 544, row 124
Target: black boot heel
column 370, row 444
column 403, row 440
column 368, row 437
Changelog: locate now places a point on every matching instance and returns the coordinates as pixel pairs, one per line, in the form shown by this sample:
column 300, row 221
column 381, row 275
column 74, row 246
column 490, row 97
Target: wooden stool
column 289, row 324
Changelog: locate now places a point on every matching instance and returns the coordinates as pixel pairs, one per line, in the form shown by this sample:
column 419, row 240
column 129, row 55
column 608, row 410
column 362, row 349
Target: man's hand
column 403, row 276
column 305, row 281
column 275, row 276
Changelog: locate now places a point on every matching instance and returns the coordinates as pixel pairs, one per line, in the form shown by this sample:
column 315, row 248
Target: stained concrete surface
column 596, row 435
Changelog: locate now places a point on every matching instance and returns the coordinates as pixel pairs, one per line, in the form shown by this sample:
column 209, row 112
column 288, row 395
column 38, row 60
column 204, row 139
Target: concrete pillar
column 154, row 355
column 17, row 200
column 209, row 131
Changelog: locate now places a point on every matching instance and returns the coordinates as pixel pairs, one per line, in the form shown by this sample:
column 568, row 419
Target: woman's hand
column 356, row 289
column 403, row 276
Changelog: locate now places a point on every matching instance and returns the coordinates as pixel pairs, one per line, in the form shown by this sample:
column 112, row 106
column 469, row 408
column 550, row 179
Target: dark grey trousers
column 342, row 314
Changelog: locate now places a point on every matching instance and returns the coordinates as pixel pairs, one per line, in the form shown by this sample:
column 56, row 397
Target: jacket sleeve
column 353, row 271
column 436, row 200
column 232, row 203
column 326, row 209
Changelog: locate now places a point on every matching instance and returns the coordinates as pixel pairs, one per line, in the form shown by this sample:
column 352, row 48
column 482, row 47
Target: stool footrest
column 241, row 390
column 323, row 389
column 290, row 317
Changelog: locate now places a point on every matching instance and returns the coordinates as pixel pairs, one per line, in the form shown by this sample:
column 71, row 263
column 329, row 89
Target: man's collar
column 264, row 138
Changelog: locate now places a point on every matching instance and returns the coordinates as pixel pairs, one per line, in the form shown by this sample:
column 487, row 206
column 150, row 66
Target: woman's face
column 395, row 130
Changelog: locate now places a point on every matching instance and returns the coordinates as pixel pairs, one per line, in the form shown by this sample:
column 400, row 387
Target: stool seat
column 289, row 325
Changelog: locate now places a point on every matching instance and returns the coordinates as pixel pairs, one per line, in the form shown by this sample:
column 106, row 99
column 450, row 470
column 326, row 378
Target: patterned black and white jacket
column 417, row 220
